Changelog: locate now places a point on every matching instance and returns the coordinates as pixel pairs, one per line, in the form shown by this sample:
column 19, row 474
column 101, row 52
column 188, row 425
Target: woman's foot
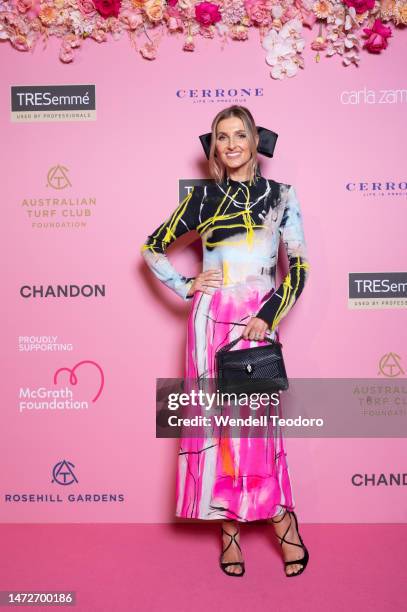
column 286, row 529
column 231, row 551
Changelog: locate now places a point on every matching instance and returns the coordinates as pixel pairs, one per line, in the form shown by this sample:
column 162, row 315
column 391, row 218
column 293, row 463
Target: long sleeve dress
column 240, row 224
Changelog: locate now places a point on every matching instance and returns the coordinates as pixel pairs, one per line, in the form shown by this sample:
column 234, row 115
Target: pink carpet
column 175, row 567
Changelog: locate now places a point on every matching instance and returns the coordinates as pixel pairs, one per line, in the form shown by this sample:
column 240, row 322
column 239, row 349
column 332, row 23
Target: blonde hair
column 217, row 169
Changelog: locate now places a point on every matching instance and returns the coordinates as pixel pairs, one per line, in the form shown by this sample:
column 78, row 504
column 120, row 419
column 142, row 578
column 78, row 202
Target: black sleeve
column 184, row 218
column 292, row 233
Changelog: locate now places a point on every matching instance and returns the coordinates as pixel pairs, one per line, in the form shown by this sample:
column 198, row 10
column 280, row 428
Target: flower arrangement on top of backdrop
column 343, row 28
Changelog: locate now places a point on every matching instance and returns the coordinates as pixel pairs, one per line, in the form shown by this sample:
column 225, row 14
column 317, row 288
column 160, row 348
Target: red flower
column 207, row 13
column 378, row 36
column 108, row 8
column 360, row 6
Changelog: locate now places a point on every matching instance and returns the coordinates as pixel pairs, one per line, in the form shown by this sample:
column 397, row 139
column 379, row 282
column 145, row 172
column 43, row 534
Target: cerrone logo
column 377, row 290
column 218, row 95
column 390, row 365
column 391, row 188
column 31, row 103
column 53, row 212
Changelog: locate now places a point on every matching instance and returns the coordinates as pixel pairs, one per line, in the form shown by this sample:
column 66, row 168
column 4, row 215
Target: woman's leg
column 232, row 552
column 283, row 521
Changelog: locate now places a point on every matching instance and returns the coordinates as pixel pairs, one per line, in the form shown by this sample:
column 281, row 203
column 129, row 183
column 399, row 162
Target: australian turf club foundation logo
column 61, row 207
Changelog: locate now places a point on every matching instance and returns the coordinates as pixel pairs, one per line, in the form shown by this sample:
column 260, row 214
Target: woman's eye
column 242, row 135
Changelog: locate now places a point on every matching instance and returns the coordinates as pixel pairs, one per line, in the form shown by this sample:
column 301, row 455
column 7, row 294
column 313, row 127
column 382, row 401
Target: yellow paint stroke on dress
column 226, row 272
column 169, row 225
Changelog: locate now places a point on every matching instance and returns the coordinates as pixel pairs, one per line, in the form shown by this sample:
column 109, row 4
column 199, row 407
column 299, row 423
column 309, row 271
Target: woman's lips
column 233, row 154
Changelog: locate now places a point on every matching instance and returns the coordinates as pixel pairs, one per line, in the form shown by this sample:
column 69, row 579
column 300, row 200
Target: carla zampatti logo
column 30, row 103
column 377, row 290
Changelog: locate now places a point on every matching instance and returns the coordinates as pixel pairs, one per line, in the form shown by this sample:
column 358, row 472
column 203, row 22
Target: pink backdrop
column 145, row 138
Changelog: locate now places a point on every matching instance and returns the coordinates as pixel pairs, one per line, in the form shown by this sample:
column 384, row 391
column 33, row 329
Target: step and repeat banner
column 98, row 153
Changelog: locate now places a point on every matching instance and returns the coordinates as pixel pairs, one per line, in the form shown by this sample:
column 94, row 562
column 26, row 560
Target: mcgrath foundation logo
column 390, row 366
column 61, row 397
column 30, row 103
column 62, row 473
column 377, row 290
column 54, row 211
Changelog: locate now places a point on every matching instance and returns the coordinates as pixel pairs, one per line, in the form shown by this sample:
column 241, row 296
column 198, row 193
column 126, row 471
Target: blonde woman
column 240, row 217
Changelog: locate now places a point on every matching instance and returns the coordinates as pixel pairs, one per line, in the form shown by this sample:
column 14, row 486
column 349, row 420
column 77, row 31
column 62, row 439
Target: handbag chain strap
column 227, row 347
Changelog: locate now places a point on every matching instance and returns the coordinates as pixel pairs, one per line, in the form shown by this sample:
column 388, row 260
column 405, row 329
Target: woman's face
column 232, row 144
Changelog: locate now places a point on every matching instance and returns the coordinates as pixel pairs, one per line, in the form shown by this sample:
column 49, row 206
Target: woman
column 240, row 216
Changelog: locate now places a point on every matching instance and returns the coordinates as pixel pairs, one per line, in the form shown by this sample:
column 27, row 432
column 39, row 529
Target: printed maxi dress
column 240, row 224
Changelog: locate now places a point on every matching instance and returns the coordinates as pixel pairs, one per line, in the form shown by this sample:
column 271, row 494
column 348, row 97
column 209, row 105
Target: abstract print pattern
column 241, row 224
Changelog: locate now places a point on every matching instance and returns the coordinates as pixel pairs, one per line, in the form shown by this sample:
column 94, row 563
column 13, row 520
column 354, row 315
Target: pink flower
column 149, row 50
column 86, row 7
column 23, row 5
column 108, row 8
column 65, row 53
column 360, row 6
column 131, row 19
column 378, row 36
column 207, row 13
column 174, row 24
column 172, row 2
column 259, row 11
column 189, row 44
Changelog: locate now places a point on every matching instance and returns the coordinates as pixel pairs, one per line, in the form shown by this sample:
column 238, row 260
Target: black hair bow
column 267, row 141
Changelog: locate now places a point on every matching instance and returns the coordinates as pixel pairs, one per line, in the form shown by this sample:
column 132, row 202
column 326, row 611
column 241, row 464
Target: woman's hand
column 205, row 280
column 255, row 329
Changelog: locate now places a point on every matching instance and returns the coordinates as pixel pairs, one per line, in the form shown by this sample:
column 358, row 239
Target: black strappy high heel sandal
column 223, row 565
column 304, row 560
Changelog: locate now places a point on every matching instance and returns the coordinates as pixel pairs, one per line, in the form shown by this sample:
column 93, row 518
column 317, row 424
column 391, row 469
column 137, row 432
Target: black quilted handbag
column 259, row 369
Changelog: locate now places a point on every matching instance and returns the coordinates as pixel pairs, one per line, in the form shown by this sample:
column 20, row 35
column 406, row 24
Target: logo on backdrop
column 373, row 96
column 57, row 177
column 62, row 291
column 219, row 95
column 185, row 186
column 376, row 480
column 55, row 211
column 377, row 290
column 63, row 474
column 42, row 398
column 378, row 189
column 30, row 103
column 390, row 365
